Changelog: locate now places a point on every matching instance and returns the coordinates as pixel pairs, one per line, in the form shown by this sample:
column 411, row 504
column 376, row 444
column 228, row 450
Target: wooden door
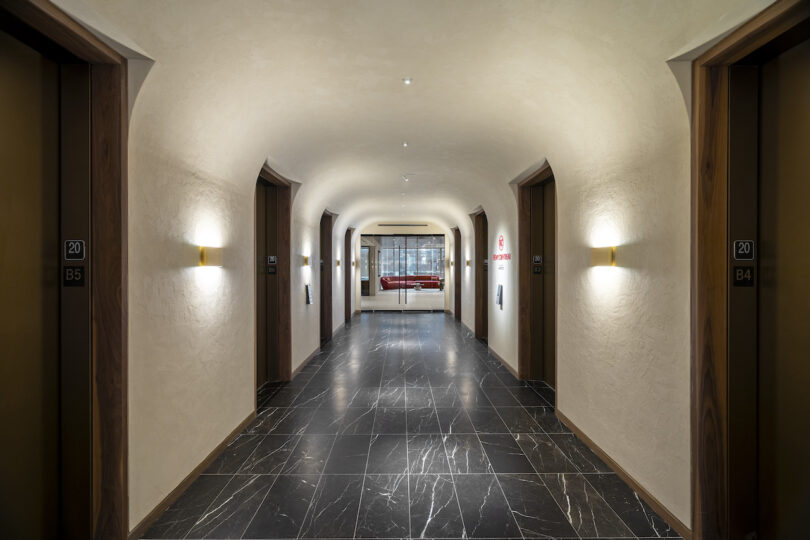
column 784, row 295
column 268, row 272
column 542, row 302
column 30, row 291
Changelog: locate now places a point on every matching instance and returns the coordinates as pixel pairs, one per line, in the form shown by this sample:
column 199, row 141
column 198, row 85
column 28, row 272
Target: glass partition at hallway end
column 402, row 272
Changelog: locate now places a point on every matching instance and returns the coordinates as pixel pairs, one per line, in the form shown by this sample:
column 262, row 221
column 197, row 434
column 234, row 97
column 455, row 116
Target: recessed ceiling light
column 404, row 177
column 405, row 144
column 407, row 81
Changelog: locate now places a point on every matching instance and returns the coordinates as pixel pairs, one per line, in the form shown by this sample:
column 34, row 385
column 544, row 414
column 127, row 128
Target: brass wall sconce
column 210, row 256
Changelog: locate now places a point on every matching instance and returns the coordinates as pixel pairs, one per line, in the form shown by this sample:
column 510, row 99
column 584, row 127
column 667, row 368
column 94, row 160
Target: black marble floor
column 404, row 427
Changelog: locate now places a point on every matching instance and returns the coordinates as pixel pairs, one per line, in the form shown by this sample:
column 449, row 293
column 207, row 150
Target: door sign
column 74, row 250
column 744, row 250
column 743, row 276
column 73, row 276
column 537, row 259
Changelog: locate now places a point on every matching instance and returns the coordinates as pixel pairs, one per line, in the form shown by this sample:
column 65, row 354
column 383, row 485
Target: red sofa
column 407, row 282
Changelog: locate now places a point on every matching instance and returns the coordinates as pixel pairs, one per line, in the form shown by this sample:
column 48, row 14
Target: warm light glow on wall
column 603, row 256
column 210, row 256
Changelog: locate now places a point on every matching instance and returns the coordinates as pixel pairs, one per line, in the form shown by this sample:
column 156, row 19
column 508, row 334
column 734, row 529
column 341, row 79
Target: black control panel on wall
column 308, row 291
column 499, row 296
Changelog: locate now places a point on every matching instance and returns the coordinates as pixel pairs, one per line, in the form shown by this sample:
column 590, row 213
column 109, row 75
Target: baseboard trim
column 656, row 505
column 306, row 361
column 141, row 528
column 502, row 361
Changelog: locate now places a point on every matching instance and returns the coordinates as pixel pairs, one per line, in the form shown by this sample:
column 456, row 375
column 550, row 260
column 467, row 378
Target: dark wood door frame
column 348, row 271
column 45, row 27
column 543, row 175
column 456, row 273
column 712, row 498
column 325, row 269
column 481, row 261
column 283, row 268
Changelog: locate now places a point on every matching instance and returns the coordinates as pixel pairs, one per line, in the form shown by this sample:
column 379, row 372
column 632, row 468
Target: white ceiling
column 315, row 88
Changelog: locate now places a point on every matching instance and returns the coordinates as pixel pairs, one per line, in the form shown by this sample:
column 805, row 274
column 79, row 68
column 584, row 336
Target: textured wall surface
column 314, row 89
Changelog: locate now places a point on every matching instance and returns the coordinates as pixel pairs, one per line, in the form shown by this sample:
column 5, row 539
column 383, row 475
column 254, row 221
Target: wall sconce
column 352, row 263
column 451, row 263
column 468, row 262
column 337, row 262
column 210, row 256
column 603, row 256
column 306, row 260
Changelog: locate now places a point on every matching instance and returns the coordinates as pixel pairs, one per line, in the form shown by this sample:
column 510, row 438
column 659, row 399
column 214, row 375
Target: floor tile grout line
column 273, row 483
column 368, row 455
column 452, row 478
column 495, row 474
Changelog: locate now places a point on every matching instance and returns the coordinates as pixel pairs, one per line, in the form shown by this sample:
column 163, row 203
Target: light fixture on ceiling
column 407, row 81
column 404, row 177
column 405, row 144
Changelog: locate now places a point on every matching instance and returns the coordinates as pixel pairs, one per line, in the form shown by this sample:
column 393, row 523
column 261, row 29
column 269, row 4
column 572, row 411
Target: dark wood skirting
column 660, row 509
column 308, row 359
column 169, row 499
column 502, row 361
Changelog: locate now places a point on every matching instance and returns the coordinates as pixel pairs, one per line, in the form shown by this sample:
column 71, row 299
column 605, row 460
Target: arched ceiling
column 315, row 89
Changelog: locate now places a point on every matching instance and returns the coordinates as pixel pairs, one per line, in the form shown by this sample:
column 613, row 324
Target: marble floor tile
column 418, row 397
column 230, row 513
column 282, row 512
column 392, row 397
column 535, row 510
column 547, row 419
column 234, row 455
column 527, row 397
column 270, row 455
column 390, row 421
column 579, row 454
column 486, row 420
column 384, row 507
column 309, row 455
column 404, row 426
column 349, row 455
column 426, row 454
column 423, row 421
column 435, row 511
column 181, row 516
column 517, row 420
column 505, row 454
column 333, row 511
column 484, row 510
column 543, row 454
column 455, row 420
column 465, row 454
column 587, row 511
column 387, row 454
column 635, row 513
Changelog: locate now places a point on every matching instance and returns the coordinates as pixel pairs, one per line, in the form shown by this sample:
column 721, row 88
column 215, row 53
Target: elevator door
column 784, row 295
column 29, row 292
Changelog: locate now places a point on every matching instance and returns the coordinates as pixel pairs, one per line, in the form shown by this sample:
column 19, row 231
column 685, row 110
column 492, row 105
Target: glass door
column 405, row 272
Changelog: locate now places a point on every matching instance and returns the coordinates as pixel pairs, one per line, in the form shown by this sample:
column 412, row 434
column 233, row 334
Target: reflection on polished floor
column 400, row 300
column 404, row 427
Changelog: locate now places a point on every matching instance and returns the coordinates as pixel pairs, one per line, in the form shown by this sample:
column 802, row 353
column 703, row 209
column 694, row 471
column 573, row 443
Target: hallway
column 404, row 427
